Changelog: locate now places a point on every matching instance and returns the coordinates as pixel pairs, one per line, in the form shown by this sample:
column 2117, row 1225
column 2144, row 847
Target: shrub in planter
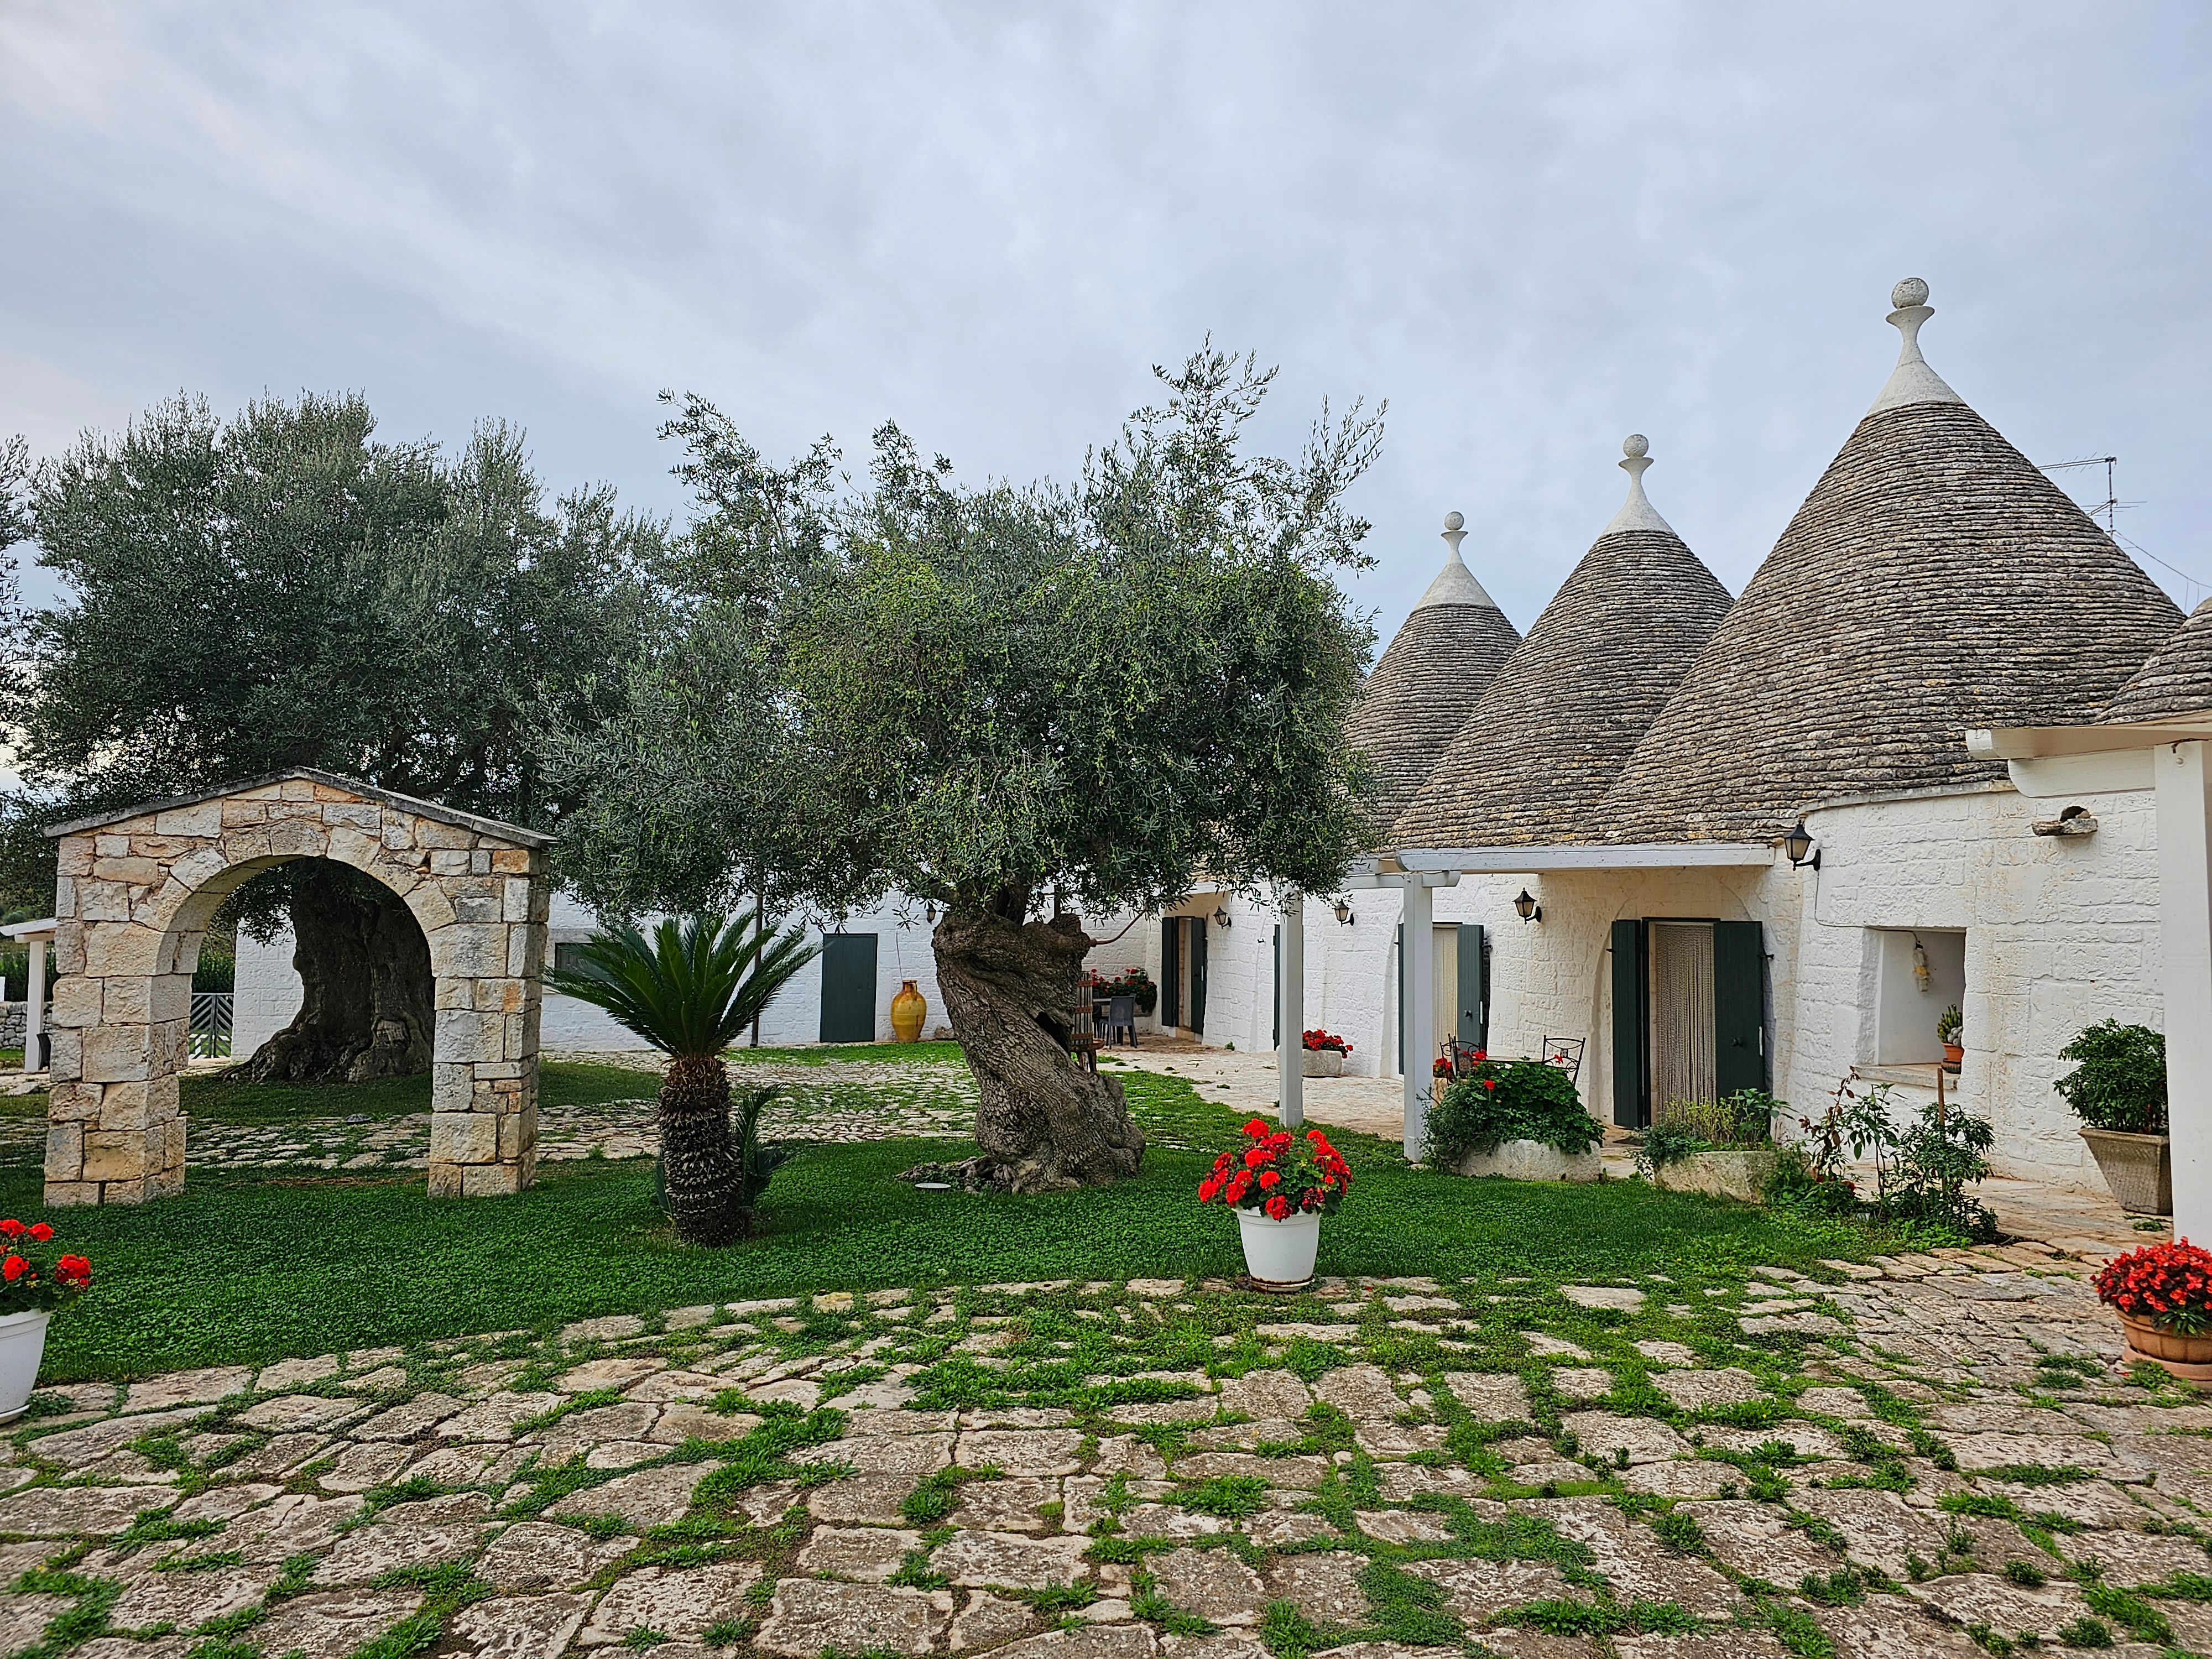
column 1502, row 1101
column 1721, row 1147
column 2163, row 1296
column 33, row 1282
column 2117, row 1089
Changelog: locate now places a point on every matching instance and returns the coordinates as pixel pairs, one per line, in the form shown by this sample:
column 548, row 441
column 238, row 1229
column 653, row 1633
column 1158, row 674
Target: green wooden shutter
column 848, row 988
column 1171, row 972
column 1739, row 1007
column 1401, row 996
column 1630, row 1061
column 1473, row 987
column 1197, row 976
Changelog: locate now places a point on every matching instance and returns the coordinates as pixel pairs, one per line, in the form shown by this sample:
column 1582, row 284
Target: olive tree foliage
column 283, row 588
column 1015, row 703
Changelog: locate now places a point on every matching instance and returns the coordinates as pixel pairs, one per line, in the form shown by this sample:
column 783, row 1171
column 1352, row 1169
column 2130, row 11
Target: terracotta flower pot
column 2189, row 1358
column 1955, row 1053
column 909, row 1009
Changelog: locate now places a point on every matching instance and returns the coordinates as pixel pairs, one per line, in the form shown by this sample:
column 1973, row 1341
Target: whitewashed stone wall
column 132, row 903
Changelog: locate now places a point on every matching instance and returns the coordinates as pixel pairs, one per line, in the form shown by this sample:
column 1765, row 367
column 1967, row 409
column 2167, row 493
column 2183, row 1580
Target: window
column 1909, row 976
column 568, row 956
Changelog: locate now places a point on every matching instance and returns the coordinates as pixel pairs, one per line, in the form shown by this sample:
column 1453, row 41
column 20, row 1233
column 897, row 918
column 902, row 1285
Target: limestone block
column 126, row 1000
column 116, row 1054
column 171, row 997
column 429, row 832
column 432, row 908
column 469, row 951
column 480, row 861
column 525, row 950
column 70, row 1195
column 64, row 1152
column 350, row 845
column 124, row 1106
column 401, row 878
column 299, row 838
column 170, row 1181
column 296, row 789
column 517, row 1132
column 119, row 947
column 445, row 1180
column 65, row 1059
column 203, row 818
column 99, row 899
column 354, row 814
column 513, row 1033
column 464, row 1137
column 198, row 866
column 503, row 996
column 490, row 1179
column 486, row 1070
column 514, row 899
column 510, row 860
column 464, row 1033
column 73, row 1102
column 239, row 811
column 451, row 1086
column 168, row 1135
column 248, row 843
column 76, row 1002
column 135, row 870
column 65, row 898
column 74, row 855
column 113, row 842
column 448, row 862
column 164, row 1098
column 118, row 1156
column 68, row 947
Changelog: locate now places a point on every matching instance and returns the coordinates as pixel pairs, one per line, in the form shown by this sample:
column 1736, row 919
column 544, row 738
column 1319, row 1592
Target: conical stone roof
column 1413, row 703
column 1550, row 734
column 1934, row 581
column 2176, row 681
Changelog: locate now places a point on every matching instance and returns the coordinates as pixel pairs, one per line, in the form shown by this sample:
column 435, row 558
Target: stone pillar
column 483, row 1093
column 1290, row 1014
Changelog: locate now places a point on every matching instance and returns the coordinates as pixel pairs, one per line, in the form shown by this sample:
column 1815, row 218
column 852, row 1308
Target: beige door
column 1447, row 978
column 1681, row 1015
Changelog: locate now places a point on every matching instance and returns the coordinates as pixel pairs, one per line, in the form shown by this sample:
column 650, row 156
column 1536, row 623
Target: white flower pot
column 1279, row 1254
column 23, row 1346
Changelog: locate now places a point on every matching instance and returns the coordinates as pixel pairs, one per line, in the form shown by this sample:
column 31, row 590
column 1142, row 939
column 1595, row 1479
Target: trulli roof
column 1934, row 581
column 1412, row 705
column 1549, row 735
column 2176, row 681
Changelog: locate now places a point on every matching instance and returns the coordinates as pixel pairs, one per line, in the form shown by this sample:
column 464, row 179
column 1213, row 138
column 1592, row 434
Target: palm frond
column 693, row 987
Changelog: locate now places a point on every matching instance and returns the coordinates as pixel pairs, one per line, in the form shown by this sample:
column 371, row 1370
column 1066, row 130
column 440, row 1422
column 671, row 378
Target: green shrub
column 1510, row 1100
column 2118, row 1079
column 1745, row 1118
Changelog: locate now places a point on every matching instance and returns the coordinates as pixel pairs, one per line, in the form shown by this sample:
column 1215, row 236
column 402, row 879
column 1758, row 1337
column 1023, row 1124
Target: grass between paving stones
column 244, row 1267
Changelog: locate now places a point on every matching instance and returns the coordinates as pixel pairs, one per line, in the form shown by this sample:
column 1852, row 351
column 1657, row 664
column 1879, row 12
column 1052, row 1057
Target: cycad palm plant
column 689, row 990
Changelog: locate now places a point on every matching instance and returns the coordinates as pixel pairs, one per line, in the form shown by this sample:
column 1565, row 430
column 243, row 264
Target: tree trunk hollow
column 367, row 993
column 1010, row 989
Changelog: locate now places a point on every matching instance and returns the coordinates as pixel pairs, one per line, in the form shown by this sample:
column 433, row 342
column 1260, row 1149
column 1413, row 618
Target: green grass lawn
column 216, row 1099
column 246, row 1268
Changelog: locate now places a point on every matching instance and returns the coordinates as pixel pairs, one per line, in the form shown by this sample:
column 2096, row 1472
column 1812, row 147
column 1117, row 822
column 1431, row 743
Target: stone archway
column 136, row 892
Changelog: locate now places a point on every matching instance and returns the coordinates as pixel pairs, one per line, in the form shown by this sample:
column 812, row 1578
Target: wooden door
column 848, row 988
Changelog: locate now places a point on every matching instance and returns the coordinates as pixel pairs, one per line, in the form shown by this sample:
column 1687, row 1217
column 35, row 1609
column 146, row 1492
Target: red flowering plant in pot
column 1280, row 1185
column 2163, row 1295
column 33, row 1282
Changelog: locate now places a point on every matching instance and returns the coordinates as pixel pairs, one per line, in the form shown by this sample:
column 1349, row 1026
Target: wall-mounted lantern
column 1798, row 844
column 1220, row 916
column 1343, row 916
column 1527, row 907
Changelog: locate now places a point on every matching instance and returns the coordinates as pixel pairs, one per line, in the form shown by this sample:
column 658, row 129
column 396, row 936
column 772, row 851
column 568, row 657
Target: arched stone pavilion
column 134, row 894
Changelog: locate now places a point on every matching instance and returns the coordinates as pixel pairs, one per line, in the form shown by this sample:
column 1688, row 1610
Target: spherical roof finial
column 1635, row 444
column 1453, row 521
column 1912, row 291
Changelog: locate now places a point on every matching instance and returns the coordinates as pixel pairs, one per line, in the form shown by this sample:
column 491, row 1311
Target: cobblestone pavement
column 1875, row 1462
column 872, row 1100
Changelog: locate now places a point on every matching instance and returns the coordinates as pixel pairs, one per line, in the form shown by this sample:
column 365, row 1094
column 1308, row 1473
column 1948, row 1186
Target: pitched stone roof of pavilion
column 2177, row 680
column 429, row 809
column 1934, row 581
column 1413, row 703
column 1549, row 735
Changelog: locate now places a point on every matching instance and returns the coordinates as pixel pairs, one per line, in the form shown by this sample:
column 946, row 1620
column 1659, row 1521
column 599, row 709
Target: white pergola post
column 34, row 1008
column 1290, row 1014
column 2184, row 785
column 1421, row 1011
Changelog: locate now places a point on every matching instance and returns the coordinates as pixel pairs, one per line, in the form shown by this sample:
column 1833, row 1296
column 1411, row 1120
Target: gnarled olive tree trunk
column 1009, row 986
column 368, row 994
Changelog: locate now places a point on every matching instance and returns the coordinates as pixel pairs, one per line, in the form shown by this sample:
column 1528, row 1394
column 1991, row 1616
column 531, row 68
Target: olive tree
column 282, row 588
column 1018, row 705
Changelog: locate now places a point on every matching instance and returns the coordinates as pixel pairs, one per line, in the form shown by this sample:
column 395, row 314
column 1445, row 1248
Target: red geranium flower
column 12, row 1227
column 1269, row 1179
column 13, row 1268
column 1207, row 1190
column 41, row 1231
column 1278, row 1206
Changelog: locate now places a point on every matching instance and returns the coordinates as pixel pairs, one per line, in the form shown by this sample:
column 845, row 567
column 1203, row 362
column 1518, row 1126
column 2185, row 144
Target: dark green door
column 1171, row 972
column 1739, row 1007
column 1276, row 1023
column 848, row 988
column 1399, row 950
column 1631, row 1059
column 1474, row 1027
column 1197, row 976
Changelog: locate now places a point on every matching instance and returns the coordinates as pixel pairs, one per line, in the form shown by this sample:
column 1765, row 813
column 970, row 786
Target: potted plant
column 1324, row 1053
column 1950, row 1026
column 2163, row 1296
column 1520, row 1118
column 1280, row 1186
column 2117, row 1089
column 31, row 1288
column 1723, row 1148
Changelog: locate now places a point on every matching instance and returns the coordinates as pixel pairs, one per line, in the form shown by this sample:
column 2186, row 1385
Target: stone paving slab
column 1097, row 1492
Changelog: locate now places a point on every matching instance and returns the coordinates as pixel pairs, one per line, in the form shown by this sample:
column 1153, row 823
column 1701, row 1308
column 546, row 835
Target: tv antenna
column 2110, row 506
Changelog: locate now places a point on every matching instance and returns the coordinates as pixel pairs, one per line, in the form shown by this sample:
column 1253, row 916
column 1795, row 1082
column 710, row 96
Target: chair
column 1567, row 1054
column 1121, row 1016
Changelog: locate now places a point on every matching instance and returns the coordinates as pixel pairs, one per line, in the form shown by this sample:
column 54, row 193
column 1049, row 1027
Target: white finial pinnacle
column 1455, row 583
column 1637, row 513
column 1912, row 381
column 1455, row 532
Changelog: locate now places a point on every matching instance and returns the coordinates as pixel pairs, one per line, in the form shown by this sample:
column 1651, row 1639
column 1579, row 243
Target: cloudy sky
column 1532, row 228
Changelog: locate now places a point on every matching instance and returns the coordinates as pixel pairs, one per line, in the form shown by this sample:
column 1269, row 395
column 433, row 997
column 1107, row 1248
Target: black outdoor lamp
column 1527, row 907
column 1343, row 916
column 1220, row 916
column 1798, row 844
